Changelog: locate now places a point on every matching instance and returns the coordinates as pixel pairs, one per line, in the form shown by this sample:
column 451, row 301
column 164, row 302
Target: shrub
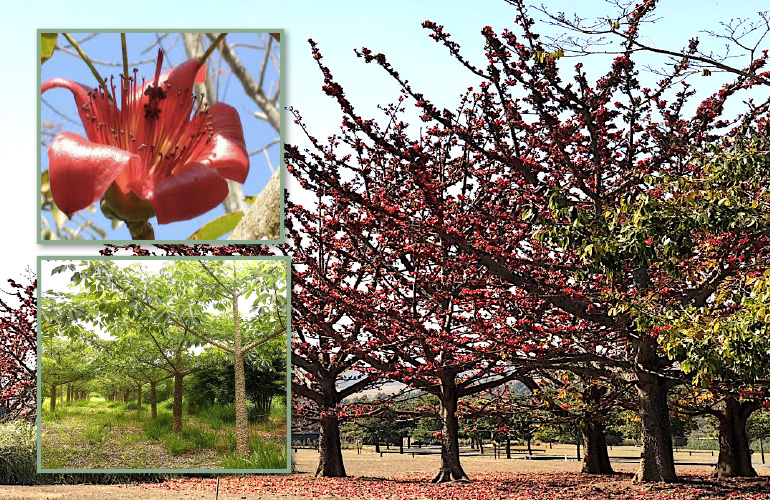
column 18, row 452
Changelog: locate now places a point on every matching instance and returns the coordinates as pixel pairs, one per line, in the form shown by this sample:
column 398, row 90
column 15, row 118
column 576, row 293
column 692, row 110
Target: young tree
column 177, row 299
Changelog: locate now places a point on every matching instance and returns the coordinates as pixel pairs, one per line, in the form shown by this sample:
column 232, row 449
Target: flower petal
column 83, row 101
column 178, row 83
column 193, row 190
column 226, row 152
column 81, row 171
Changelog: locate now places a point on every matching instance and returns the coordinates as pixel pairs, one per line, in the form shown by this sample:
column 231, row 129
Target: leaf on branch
column 47, row 44
column 217, row 227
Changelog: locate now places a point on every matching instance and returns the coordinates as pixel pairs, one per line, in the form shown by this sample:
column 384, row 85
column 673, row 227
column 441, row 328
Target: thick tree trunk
column 53, row 398
column 330, row 450
column 177, row 425
column 451, row 470
column 657, row 461
column 153, row 401
column 241, row 410
column 734, row 451
column 596, row 460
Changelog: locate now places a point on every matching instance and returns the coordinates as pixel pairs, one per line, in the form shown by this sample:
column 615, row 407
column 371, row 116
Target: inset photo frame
column 160, row 136
column 164, row 364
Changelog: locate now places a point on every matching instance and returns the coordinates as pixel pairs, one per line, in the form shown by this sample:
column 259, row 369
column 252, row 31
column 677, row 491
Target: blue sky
column 338, row 26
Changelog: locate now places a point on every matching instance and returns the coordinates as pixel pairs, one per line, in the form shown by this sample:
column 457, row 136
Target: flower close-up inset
column 152, row 155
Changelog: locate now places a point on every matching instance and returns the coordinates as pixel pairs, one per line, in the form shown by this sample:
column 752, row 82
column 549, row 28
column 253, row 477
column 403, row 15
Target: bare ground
column 396, row 476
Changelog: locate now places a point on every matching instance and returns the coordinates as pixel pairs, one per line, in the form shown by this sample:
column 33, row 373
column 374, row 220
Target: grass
column 158, row 427
column 101, row 434
column 264, row 455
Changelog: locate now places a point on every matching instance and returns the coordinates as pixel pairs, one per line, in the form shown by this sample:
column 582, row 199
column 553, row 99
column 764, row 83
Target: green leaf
column 47, row 44
column 59, row 217
column 217, row 227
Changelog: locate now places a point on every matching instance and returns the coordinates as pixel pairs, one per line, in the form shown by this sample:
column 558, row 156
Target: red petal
column 82, row 99
column 193, row 190
column 175, row 82
column 226, row 152
column 81, row 171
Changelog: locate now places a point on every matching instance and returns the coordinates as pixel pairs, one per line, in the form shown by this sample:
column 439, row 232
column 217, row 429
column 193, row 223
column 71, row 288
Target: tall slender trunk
column 330, row 450
column 153, row 401
column 139, row 400
column 451, row 470
column 596, row 460
column 61, row 397
column 177, row 425
column 53, row 398
column 241, row 410
column 734, row 451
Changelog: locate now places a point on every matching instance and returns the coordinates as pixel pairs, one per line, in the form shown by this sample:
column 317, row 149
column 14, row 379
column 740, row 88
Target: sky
column 338, row 26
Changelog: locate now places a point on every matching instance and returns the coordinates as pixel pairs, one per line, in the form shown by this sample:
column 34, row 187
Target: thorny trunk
column 451, row 470
column 596, row 460
column 734, row 451
column 177, row 425
column 657, row 461
column 330, row 451
column 241, row 410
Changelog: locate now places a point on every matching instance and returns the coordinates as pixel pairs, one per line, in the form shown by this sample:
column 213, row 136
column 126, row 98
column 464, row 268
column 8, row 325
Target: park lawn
column 111, row 435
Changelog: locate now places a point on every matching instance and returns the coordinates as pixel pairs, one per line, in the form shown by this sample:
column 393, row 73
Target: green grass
column 158, row 427
column 198, row 438
column 97, row 432
column 264, row 455
column 104, row 427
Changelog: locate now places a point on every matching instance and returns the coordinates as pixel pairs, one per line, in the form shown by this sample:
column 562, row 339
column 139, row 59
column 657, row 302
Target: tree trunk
column 507, row 446
column 139, row 400
column 330, row 450
column 177, row 425
column 153, row 401
column 657, row 461
column 241, row 410
column 451, row 470
column 61, row 397
column 53, row 398
column 596, row 460
column 734, row 451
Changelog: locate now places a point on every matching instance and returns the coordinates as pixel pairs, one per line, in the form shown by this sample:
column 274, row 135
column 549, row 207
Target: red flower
column 148, row 157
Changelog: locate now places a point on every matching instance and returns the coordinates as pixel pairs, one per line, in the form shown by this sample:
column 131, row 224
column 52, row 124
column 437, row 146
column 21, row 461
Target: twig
column 88, row 62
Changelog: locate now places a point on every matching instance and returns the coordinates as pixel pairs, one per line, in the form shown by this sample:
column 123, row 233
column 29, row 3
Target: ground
column 394, row 476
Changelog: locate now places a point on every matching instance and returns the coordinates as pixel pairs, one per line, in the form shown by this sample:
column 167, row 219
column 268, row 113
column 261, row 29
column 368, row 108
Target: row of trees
column 550, row 224
column 172, row 323
column 123, row 370
column 602, row 242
